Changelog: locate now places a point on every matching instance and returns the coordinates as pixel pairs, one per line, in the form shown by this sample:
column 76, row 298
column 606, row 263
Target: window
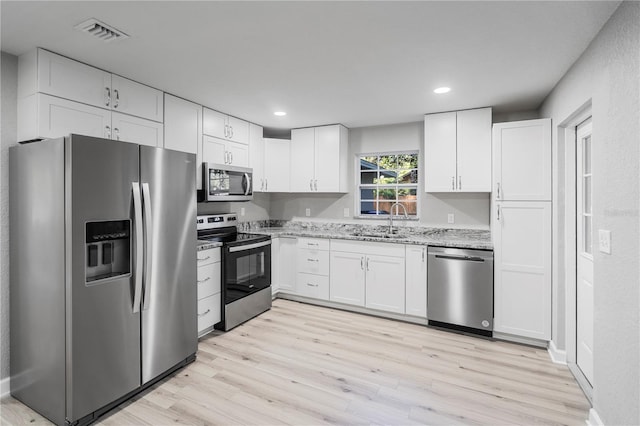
column 385, row 179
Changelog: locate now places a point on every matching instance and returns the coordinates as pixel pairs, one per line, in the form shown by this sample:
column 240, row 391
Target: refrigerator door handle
column 137, row 223
column 148, row 244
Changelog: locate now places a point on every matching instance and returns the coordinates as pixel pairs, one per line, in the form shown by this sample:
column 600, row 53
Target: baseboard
column 5, row 387
column 594, row 419
column 557, row 356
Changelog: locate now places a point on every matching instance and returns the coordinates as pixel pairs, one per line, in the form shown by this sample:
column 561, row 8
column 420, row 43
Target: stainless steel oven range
column 246, row 270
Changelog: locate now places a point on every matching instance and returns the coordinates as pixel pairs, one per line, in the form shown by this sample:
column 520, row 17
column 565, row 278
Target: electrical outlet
column 346, row 212
column 241, row 211
column 604, row 241
column 450, row 218
column 307, row 212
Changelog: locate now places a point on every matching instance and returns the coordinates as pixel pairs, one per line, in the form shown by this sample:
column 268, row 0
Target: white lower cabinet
column 346, row 284
column 416, row 280
column 522, row 280
column 312, row 279
column 209, row 289
column 368, row 274
column 283, row 264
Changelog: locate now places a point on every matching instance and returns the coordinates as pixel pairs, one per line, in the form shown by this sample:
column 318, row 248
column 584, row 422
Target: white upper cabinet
column 219, row 151
column 46, row 72
column 183, row 124
column 319, row 159
column 133, row 98
column 522, row 160
column 225, row 127
column 44, row 116
column 256, row 156
column 457, row 151
column 277, row 157
column 138, row 130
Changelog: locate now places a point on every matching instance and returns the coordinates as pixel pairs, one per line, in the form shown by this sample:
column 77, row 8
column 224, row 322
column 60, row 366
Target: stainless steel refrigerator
column 103, row 272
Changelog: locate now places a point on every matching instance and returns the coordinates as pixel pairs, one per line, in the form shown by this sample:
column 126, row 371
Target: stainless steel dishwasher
column 460, row 289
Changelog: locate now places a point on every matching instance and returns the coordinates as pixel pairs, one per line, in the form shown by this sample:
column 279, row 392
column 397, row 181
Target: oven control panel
column 216, row 221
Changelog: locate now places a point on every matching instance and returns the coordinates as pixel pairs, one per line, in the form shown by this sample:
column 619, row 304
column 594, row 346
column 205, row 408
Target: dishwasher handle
column 459, row 257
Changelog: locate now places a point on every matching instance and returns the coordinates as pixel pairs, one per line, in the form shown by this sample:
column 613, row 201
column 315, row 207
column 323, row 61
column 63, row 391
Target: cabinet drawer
column 382, row 249
column 208, row 256
column 209, row 277
column 209, row 312
column 313, row 261
column 311, row 285
column 313, row 243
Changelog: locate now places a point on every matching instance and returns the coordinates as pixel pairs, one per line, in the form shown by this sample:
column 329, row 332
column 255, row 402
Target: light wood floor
column 305, row 365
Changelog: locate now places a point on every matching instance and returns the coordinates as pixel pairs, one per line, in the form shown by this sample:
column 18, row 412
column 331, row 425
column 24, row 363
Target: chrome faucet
column 406, row 216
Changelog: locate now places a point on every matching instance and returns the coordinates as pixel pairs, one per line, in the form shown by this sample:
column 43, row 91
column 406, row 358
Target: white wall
column 608, row 74
column 470, row 210
column 8, row 113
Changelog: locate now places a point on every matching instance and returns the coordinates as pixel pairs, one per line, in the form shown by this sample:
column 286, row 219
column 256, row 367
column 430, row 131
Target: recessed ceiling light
column 280, row 113
column 441, row 90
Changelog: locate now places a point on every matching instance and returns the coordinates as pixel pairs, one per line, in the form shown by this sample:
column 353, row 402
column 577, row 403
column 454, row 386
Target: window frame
column 359, row 186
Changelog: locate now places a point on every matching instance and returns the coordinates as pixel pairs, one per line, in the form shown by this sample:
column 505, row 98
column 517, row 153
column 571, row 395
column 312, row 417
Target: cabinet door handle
column 266, row 185
column 226, row 132
column 107, row 96
column 422, row 251
column 453, row 183
column 230, row 157
column 204, row 281
column 107, row 132
column 204, row 313
column 312, row 260
column 362, row 263
column 117, row 95
column 231, row 131
column 226, row 157
column 459, row 183
column 367, row 264
column 315, row 182
column 498, row 194
column 313, row 244
column 117, row 133
column 312, row 285
column 311, row 184
column 498, row 213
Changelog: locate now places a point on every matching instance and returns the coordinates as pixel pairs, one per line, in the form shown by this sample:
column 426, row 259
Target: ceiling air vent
column 101, row 30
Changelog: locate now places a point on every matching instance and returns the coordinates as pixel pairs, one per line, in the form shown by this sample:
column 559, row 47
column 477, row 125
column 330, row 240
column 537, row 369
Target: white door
column 276, row 165
column 346, row 283
column 385, row 283
column 522, row 269
column 138, row 130
column 522, row 160
column 302, row 160
column 474, row 150
column 584, row 248
column 256, row 156
column 136, row 99
column 327, row 155
column 58, row 117
column 182, row 124
column 287, row 264
column 440, row 152
column 416, row 281
column 214, row 150
column 238, row 154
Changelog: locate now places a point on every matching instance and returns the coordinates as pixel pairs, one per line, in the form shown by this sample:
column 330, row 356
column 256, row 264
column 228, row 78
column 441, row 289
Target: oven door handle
column 249, row 246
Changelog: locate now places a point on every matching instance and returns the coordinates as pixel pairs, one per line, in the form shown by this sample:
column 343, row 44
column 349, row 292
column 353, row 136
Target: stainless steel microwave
column 222, row 182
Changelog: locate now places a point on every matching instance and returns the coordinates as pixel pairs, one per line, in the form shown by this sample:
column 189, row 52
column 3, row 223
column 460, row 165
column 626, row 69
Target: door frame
column 569, row 265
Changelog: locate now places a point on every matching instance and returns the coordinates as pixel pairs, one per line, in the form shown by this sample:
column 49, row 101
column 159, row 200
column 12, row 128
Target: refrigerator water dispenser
column 108, row 249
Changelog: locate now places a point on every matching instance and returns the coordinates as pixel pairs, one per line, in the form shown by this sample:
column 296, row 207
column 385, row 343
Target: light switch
column 346, row 212
column 307, row 212
column 604, row 241
column 450, row 218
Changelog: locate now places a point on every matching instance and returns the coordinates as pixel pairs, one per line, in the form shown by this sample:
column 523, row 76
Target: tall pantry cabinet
column 521, row 228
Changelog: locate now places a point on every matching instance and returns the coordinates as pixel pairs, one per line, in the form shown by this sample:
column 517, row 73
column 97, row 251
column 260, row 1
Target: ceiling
column 360, row 63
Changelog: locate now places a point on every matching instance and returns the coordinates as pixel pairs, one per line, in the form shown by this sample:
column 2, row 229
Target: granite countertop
column 206, row 245
column 447, row 237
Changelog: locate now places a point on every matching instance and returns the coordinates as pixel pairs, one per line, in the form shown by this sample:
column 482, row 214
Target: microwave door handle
column 137, row 223
column 148, row 244
column 247, row 180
